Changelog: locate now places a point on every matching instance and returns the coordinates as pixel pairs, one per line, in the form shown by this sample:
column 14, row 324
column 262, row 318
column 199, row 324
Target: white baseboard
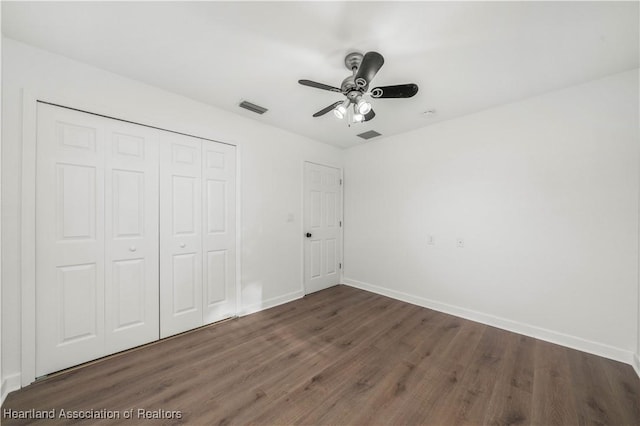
column 573, row 342
column 270, row 303
column 636, row 363
column 10, row 384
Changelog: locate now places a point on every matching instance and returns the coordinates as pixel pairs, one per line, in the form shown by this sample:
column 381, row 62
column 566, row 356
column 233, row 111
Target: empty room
column 320, row 213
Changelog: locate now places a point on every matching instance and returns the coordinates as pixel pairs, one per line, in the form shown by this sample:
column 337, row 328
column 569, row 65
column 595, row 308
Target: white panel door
column 219, row 231
column 131, row 232
column 69, row 239
column 322, row 223
column 180, row 233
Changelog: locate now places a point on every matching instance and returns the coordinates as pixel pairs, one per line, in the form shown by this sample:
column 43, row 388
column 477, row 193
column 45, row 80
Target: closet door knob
column 132, row 248
column 182, row 245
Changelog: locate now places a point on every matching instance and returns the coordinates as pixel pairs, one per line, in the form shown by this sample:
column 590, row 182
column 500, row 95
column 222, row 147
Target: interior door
column 70, row 239
column 219, row 239
column 180, row 233
column 131, row 232
column 322, row 223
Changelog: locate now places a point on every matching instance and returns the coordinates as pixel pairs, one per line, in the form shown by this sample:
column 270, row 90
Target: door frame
column 302, row 224
column 27, row 219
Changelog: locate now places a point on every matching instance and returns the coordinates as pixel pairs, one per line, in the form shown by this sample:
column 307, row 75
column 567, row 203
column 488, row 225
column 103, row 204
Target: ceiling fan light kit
column 354, row 88
column 341, row 110
column 363, row 106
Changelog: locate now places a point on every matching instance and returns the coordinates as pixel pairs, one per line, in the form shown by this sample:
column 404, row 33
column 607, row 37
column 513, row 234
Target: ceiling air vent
column 253, row 107
column 369, row 134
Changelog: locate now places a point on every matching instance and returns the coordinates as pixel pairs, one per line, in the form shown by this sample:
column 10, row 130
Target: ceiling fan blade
column 323, row 111
column 371, row 64
column 397, row 91
column 319, row 85
column 369, row 116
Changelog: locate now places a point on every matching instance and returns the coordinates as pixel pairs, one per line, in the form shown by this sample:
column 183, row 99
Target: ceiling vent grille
column 253, row 107
column 369, row 134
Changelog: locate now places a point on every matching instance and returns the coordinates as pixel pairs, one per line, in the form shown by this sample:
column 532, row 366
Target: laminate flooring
column 341, row 356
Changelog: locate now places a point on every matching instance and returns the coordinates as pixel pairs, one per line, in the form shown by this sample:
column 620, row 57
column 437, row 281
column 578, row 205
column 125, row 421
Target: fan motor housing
column 348, row 85
column 353, row 94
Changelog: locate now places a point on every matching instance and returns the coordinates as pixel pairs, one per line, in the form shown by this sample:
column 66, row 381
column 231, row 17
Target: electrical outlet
column 430, row 240
column 460, row 243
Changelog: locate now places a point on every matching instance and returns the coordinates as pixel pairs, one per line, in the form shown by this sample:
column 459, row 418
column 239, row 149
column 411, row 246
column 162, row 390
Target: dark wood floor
column 346, row 356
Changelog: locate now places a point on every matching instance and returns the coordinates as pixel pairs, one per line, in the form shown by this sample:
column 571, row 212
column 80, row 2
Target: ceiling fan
column 354, row 88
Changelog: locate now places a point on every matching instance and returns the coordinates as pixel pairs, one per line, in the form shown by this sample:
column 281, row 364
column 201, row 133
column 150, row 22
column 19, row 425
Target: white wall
column 2, row 390
column 271, row 162
column 544, row 193
column 636, row 358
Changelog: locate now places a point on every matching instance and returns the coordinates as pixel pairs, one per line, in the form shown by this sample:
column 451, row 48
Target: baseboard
column 270, row 303
column 10, row 384
column 636, row 364
column 572, row 342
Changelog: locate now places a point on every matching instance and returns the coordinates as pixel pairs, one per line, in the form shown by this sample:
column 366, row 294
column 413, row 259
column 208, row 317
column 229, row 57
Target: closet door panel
column 131, row 228
column 69, row 239
column 180, row 234
column 219, row 237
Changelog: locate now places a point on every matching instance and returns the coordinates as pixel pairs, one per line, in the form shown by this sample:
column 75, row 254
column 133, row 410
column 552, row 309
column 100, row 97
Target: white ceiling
column 465, row 56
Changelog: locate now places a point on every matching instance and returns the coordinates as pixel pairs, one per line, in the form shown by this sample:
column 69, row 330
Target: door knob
column 132, row 248
column 308, row 234
column 182, row 245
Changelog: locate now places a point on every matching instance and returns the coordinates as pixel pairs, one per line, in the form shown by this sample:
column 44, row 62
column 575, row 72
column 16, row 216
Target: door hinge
column 340, row 223
column 340, row 265
column 340, row 181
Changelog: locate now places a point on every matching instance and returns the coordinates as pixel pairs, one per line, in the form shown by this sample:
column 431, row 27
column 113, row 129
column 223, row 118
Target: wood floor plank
column 407, row 374
column 473, row 392
column 510, row 403
column 552, row 402
column 624, row 389
column 333, row 343
column 345, row 356
column 313, row 385
column 442, row 374
column 595, row 402
column 369, row 376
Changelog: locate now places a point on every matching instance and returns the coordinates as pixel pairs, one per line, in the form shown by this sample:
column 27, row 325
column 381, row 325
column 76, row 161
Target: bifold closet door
column 69, row 239
column 96, row 237
column 180, row 233
column 219, row 189
column 135, row 235
column 132, row 240
column 197, row 233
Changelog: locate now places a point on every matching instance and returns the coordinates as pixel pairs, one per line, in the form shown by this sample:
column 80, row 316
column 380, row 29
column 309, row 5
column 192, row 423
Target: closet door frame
column 27, row 240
